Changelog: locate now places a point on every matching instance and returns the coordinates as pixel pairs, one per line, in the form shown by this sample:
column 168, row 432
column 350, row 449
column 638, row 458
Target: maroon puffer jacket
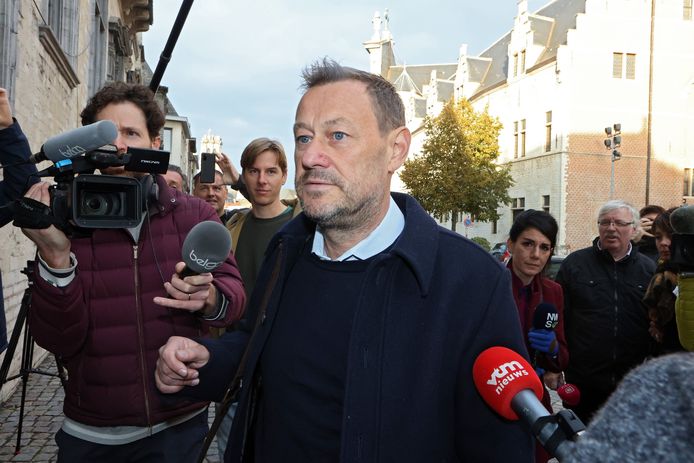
column 105, row 326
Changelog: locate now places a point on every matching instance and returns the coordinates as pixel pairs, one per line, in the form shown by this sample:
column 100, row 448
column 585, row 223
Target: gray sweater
column 649, row 418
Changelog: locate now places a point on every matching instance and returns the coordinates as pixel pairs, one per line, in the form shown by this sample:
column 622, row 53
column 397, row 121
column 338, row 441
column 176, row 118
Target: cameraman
column 103, row 305
column 14, row 148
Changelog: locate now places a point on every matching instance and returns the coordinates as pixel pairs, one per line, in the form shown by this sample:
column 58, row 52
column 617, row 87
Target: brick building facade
column 555, row 81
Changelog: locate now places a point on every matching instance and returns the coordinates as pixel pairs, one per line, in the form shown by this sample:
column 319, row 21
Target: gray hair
column 184, row 177
column 614, row 204
column 387, row 105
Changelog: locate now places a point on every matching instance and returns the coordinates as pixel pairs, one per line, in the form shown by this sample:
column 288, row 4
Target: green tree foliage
column 482, row 241
column 455, row 174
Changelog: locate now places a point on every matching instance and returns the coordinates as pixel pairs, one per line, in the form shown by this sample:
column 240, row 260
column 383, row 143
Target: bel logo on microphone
column 207, row 264
column 68, row 151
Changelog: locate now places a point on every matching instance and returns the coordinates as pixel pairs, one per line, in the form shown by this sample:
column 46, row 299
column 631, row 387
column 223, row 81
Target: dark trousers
column 179, row 443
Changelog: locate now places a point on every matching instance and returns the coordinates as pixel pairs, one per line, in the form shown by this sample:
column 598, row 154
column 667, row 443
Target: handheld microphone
column 205, row 248
column 569, row 394
column 546, row 316
column 76, row 142
column 509, row 385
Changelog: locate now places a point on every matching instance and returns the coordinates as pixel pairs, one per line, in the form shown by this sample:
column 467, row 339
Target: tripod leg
column 61, row 371
column 27, row 358
column 14, row 338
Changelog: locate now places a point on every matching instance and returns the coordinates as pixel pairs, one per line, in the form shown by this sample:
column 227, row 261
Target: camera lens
column 99, row 204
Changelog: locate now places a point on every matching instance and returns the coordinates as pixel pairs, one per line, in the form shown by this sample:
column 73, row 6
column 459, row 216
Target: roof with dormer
column 563, row 14
column 404, row 83
column 420, row 75
column 550, row 26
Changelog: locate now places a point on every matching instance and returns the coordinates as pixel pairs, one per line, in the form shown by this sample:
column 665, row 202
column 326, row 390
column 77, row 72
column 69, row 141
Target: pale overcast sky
column 235, row 68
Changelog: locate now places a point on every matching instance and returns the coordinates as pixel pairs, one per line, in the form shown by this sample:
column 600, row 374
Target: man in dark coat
column 606, row 323
column 367, row 316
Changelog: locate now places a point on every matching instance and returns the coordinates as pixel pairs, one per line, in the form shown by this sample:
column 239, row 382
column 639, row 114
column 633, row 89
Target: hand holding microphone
column 205, row 248
column 544, row 341
column 541, row 336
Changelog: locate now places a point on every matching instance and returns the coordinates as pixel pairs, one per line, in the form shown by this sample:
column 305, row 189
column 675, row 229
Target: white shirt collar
column 629, row 248
column 378, row 240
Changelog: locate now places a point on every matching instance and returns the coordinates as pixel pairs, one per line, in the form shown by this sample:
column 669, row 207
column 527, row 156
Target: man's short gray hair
column 613, row 204
column 387, row 105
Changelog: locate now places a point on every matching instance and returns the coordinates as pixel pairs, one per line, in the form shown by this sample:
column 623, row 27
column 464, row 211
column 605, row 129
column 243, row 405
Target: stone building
column 54, row 54
column 556, row 80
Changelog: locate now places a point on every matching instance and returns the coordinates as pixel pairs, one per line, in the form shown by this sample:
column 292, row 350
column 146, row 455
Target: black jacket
column 606, row 323
column 429, row 306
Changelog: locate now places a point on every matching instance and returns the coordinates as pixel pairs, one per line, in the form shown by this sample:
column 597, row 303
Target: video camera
column 102, row 201
column 80, row 199
column 682, row 246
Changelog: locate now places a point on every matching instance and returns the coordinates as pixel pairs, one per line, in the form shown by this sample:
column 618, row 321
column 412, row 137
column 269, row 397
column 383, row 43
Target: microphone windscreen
column 546, row 316
column 499, row 374
column 79, row 141
column 684, row 311
column 569, row 394
column 682, row 220
column 206, row 247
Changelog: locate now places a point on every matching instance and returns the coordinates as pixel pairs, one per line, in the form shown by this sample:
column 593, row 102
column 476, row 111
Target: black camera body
column 682, row 251
column 84, row 200
column 682, row 245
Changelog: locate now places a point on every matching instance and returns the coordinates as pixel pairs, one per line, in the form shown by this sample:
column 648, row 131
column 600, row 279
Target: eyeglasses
column 617, row 223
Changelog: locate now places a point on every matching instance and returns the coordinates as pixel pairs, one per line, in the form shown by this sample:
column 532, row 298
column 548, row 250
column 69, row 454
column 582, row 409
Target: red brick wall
column 588, row 181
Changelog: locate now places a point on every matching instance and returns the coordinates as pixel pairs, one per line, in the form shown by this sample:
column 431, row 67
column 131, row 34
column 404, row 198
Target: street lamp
column 612, row 142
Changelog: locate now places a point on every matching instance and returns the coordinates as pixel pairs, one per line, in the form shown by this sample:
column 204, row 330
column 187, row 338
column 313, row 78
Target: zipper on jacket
column 140, row 333
column 615, row 282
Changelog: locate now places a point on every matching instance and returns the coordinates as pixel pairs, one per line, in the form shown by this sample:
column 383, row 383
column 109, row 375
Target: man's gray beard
column 343, row 218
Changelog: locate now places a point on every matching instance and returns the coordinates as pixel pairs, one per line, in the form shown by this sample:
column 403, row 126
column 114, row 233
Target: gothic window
column 687, row 10
column 98, row 51
column 8, row 43
column 522, row 62
column 517, row 206
column 624, row 65
column 548, row 131
column 545, row 203
column 59, row 35
column 522, row 128
column 515, row 140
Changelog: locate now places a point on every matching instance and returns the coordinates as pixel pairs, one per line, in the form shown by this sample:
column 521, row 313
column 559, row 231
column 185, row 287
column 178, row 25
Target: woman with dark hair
column 531, row 243
column 659, row 298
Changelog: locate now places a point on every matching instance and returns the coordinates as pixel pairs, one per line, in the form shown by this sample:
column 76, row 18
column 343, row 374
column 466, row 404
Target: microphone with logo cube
column 205, row 248
column 508, row 383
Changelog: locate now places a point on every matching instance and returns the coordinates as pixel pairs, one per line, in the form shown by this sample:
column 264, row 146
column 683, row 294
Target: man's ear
column 156, row 142
column 400, row 145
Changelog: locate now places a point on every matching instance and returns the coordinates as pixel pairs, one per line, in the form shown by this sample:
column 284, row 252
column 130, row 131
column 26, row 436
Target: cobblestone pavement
column 43, row 416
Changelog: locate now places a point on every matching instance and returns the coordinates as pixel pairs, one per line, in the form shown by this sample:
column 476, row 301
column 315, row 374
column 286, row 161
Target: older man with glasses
column 606, row 324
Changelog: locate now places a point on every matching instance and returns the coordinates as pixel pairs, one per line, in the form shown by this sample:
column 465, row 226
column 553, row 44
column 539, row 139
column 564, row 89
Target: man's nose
column 120, row 144
column 314, row 155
